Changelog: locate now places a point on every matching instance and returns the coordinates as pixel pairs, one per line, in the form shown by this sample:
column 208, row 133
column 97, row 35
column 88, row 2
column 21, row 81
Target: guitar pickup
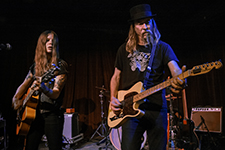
column 117, row 117
column 197, row 70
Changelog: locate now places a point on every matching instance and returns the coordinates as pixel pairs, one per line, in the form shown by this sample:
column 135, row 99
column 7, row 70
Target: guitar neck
column 31, row 92
column 184, row 101
column 159, row 87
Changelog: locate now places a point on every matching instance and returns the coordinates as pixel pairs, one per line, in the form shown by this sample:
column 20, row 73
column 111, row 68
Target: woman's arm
column 54, row 93
column 16, row 101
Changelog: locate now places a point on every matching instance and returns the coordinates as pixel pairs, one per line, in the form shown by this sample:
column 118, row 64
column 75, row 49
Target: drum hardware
column 104, row 133
column 116, row 138
column 106, row 140
column 172, row 129
column 101, row 130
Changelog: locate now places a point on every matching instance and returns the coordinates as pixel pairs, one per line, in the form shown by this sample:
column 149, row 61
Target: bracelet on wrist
column 46, row 92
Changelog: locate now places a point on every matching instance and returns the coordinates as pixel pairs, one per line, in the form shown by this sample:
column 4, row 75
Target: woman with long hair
column 48, row 94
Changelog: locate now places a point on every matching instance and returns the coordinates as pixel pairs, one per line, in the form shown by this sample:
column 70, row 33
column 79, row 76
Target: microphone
column 6, row 46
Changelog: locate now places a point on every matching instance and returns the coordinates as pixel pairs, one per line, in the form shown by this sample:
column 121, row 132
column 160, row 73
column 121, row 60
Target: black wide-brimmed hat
column 140, row 11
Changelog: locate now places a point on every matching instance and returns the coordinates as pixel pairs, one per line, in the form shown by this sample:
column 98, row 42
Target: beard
column 145, row 37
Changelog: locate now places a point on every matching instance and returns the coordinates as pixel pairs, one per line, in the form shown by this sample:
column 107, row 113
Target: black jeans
column 154, row 122
column 50, row 124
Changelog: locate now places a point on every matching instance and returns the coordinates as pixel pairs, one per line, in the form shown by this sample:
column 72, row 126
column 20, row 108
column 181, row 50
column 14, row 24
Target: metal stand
column 171, row 142
column 3, row 121
column 102, row 126
column 210, row 136
column 107, row 141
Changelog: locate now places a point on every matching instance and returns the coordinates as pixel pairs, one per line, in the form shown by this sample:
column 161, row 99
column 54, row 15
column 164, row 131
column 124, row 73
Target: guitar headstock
column 204, row 68
column 51, row 73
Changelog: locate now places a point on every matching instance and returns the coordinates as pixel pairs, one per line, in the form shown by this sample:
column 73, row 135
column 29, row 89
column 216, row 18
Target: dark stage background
column 90, row 33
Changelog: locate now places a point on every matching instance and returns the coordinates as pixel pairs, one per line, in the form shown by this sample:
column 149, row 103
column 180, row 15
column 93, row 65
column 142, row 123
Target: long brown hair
column 132, row 40
column 41, row 60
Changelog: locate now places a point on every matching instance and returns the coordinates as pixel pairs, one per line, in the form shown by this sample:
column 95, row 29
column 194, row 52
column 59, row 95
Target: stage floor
column 85, row 144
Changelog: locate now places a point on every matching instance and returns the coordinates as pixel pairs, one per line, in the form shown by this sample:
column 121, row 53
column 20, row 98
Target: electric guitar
column 27, row 113
column 132, row 98
column 186, row 137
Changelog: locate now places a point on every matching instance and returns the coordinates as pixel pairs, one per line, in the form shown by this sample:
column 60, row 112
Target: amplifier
column 71, row 125
column 210, row 117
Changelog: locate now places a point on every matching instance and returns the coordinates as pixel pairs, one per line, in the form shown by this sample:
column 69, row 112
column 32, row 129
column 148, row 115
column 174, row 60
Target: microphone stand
column 214, row 143
column 210, row 136
column 202, row 120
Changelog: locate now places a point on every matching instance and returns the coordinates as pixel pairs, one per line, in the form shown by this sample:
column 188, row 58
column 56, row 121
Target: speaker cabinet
column 210, row 117
column 71, row 125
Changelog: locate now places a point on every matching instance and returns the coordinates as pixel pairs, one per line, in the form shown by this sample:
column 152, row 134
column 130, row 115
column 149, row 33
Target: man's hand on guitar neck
column 115, row 105
column 177, row 83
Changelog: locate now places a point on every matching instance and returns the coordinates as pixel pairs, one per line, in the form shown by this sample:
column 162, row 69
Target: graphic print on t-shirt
column 138, row 60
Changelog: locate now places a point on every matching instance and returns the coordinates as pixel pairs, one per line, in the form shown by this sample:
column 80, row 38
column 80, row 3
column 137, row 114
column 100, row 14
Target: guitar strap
column 153, row 39
column 149, row 67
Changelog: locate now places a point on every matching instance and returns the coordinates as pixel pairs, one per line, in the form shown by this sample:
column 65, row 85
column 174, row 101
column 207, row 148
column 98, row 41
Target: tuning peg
column 55, row 66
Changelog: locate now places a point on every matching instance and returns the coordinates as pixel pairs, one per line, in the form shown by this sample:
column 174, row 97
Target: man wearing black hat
column 143, row 57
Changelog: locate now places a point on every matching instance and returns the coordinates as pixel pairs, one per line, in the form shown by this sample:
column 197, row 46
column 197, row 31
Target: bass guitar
column 27, row 113
column 132, row 98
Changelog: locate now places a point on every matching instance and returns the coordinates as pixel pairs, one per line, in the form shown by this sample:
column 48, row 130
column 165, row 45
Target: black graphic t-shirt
column 133, row 67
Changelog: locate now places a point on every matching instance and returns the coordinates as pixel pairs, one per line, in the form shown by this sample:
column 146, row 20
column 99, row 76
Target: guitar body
column 27, row 114
column 186, row 137
column 130, row 108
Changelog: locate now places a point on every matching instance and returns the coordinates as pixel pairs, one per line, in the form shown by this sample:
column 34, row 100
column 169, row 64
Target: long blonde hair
column 41, row 60
column 132, row 40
